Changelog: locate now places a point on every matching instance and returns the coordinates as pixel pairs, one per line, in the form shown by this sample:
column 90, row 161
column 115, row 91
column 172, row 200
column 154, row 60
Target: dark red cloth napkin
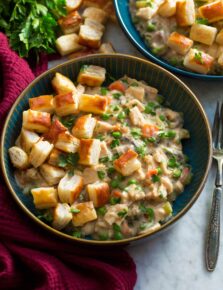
column 30, row 257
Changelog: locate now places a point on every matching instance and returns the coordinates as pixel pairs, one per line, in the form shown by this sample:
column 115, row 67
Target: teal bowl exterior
column 177, row 94
column 124, row 17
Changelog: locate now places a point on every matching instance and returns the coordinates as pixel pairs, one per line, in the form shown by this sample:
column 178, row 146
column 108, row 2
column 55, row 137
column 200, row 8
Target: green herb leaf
column 68, row 159
column 114, row 143
column 121, row 115
column 136, row 133
column 68, row 121
column 115, row 200
column 202, row 21
column 74, row 210
column 116, row 96
column 141, row 150
column 101, row 211
column 151, row 108
column 122, row 213
column 104, row 91
column 198, row 57
column 155, row 178
column 104, row 159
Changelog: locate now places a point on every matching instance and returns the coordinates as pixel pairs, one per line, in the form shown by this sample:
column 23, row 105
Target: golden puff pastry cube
column 87, row 213
column 68, row 43
column 44, row 197
column 73, row 4
column 55, row 130
column 219, row 38
column 213, row 50
column 147, row 13
column 90, row 36
column 36, row 121
column 89, row 151
column 39, row 153
column 185, row 13
column 203, row 33
column 198, row 61
column 66, row 104
column 212, row 11
column 93, row 104
column 51, row 174
column 28, row 139
column 180, row 43
column 42, row 103
column 168, row 8
column 70, row 23
column 67, row 142
column 220, row 59
column 94, row 24
column 54, row 157
column 69, row 188
column 61, row 216
column 106, row 48
column 99, row 193
column 62, row 84
column 127, row 163
column 18, row 157
column 84, row 127
column 95, row 14
column 91, row 75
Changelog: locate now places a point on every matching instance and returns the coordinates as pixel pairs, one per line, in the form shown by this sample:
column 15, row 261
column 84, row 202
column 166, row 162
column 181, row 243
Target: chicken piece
column 90, row 175
column 99, row 193
column 103, row 127
column 44, row 197
column 219, row 38
column 39, row 153
column 61, row 216
column 66, row 104
column 42, row 103
column 18, row 157
column 95, row 14
column 203, row 33
column 36, row 121
column 96, row 25
column 105, row 152
column 93, row 104
column 112, row 216
column 106, row 48
column 132, row 193
column 73, row 4
column 55, row 129
column 27, row 139
column 166, row 182
column 185, row 13
column 86, row 213
column 91, row 75
column 180, row 43
column 213, row 50
column 137, row 92
column 89, row 151
column 127, row 163
column 67, row 143
column 136, row 117
column 168, row 8
column 54, row 157
column 84, row 127
column 62, row 84
column 70, row 23
column 147, row 12
column 51, row 174
column 212, row 11
column 136, row 103
column 89, row 36
column 69, row 188
column 68, row 43
column 198, row 61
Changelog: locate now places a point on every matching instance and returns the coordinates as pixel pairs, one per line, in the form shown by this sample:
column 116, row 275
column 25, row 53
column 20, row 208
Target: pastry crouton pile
column 83, row 28
column 101, row 161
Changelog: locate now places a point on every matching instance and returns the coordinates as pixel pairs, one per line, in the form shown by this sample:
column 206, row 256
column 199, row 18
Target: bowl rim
column 110, row 242
column 155, row 58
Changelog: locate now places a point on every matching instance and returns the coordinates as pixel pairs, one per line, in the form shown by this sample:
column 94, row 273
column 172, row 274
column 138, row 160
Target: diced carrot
column 117, row 85
column 149, row 130
column 151, row 172
column 117, row 193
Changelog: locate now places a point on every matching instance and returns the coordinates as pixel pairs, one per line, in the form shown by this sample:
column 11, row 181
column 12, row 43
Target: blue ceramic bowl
column 124, row 17
column 176, row 93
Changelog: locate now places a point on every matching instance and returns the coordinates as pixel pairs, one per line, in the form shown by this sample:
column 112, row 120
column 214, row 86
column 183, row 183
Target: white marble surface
column 175, row 259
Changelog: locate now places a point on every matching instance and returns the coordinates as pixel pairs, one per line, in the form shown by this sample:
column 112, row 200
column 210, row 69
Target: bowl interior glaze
column 179, row 97
column 124, row 17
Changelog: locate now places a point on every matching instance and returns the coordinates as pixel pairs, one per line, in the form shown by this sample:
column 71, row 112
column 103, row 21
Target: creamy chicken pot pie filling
column 186, row 33
column 101, row 162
